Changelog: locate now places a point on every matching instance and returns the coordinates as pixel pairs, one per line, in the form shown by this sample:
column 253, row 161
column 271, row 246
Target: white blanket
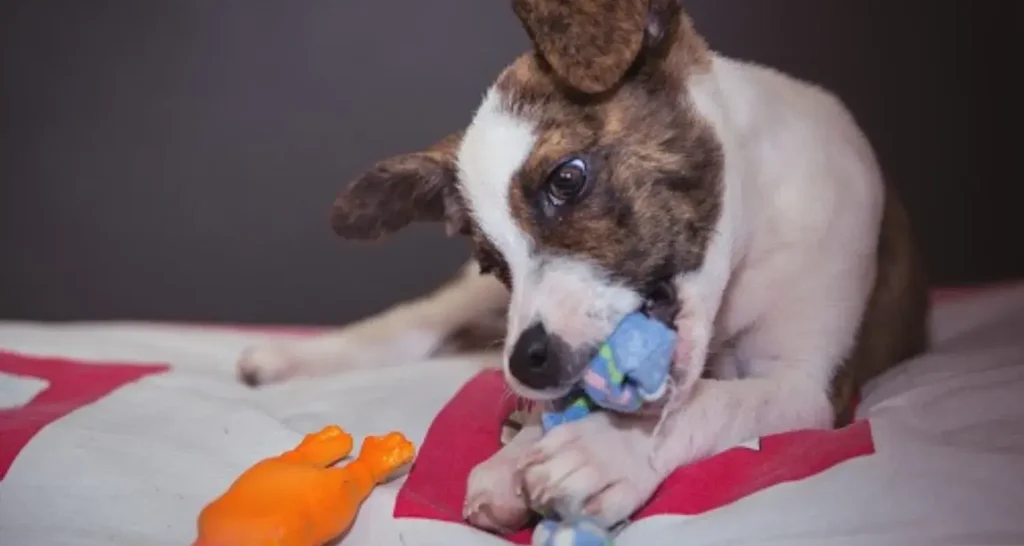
column 135, row 466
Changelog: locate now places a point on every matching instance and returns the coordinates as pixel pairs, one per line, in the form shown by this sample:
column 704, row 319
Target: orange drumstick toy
column 296, row 498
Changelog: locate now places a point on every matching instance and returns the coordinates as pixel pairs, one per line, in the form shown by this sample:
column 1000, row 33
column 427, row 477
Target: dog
column 617, row 155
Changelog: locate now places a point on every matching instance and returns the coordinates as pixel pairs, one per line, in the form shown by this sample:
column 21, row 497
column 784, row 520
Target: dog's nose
column 532, row 362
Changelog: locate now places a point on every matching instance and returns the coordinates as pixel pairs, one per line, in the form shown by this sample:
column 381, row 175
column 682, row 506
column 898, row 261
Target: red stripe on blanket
column 72, row 385
column 467, row 431
column 740, row 471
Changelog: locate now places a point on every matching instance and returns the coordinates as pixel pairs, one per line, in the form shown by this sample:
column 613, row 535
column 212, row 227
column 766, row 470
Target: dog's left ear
column 415, row 187
column 592, row 44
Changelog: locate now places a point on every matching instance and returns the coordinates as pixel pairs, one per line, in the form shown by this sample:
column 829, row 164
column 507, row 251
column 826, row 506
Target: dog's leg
column 494, row 496
column 406, row 332
column 608, row 465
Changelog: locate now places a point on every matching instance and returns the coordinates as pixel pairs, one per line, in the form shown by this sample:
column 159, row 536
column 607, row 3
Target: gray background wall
column 177, row 159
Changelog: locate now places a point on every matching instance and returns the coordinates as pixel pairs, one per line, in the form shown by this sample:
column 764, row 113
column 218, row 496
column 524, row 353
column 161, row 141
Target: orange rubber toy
column 297, row 498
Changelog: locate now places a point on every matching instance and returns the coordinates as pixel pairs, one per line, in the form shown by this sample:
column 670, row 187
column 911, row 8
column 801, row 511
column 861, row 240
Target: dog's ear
column 592, row 44
column 416, row 187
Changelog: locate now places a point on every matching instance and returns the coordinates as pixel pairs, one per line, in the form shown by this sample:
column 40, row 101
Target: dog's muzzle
column 543, row 361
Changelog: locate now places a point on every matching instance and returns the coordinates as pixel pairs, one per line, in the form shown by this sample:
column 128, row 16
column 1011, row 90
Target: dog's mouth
column 660, row 302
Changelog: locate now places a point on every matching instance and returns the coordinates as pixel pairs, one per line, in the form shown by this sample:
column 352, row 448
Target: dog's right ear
column 416, row 187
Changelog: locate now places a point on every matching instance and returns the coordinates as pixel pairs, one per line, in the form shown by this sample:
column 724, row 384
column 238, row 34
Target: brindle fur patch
column 655, row 195
column 403, row 189
column 894, row 325
column 490, row 260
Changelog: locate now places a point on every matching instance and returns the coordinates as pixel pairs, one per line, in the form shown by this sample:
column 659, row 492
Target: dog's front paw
column 494, row 496
column 597, row 467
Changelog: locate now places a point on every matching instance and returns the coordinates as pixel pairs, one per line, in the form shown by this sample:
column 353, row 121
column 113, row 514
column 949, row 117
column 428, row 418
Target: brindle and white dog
column 618, row 154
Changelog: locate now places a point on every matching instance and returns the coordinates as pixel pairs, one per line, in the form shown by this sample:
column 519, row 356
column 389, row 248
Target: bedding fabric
column 119, row 433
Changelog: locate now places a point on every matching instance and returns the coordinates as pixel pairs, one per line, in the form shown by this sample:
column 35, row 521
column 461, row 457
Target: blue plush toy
column 631, row 368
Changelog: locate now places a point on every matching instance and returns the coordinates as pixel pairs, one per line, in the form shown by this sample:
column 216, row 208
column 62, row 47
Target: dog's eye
column 567, row 181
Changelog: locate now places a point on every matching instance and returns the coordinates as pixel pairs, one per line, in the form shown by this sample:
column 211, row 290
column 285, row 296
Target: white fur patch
column 575, row 300
column 571, row 297
column 494, row 147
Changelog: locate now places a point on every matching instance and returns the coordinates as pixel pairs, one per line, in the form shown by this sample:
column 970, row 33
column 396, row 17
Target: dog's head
column 585, row 179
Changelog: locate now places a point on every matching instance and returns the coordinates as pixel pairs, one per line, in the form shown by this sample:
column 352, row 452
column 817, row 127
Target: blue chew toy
column 630, row 368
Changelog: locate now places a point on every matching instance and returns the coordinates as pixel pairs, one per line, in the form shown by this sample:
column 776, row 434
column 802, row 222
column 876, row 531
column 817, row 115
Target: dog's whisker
column 671, row 405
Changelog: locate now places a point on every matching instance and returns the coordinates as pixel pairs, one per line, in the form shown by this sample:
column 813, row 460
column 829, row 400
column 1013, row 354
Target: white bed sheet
column 136, row 466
